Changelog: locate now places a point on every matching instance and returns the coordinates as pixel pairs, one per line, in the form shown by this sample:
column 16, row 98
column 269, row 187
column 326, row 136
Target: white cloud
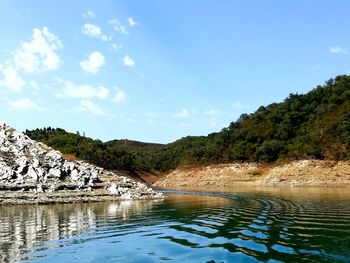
column 89, row 14
column 128, row 61
column 119, row 96
column 339, row 50
column 25, row 104
column 141, row 75
column 89, row 106
column 115, row 47
column 184, row 113
column 11, row 79
column 237, row 105
column 94, row 31
column 118, row 26
column 39, row 53
column 132, row 22
column 71, row 90
column 94, row 62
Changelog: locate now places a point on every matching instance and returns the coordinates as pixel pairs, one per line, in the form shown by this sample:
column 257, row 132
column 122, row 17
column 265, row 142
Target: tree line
column 311, row 125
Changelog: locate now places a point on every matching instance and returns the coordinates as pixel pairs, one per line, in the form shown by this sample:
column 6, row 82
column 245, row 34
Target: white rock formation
column 26, row 162
column 26, row 165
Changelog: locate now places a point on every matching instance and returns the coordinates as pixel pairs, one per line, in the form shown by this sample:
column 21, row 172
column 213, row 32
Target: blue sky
column 160, row 70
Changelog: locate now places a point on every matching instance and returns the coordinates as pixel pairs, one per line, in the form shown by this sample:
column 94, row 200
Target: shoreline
column 307, row 173
column 98, row 193
column 302, row 173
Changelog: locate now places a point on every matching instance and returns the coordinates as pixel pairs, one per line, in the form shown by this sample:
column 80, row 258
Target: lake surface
column 235, row 225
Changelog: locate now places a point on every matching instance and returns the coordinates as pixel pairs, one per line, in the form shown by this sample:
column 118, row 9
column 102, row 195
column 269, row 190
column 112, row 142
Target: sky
column 158, row 70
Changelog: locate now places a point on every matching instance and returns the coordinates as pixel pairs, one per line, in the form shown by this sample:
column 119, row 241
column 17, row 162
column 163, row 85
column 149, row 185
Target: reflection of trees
column 23, row 227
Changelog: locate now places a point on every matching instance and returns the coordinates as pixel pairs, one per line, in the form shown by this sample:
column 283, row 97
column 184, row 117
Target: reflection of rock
column 34, row 224
column 28, row 166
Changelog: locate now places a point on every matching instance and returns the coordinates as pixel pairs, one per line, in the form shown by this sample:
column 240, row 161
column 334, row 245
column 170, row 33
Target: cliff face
column 29, row 167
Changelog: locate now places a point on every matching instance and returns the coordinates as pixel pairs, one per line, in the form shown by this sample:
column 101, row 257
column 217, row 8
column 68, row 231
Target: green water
column 235, row 225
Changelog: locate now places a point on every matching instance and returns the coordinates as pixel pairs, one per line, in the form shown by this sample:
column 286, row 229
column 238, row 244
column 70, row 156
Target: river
column 230, row 225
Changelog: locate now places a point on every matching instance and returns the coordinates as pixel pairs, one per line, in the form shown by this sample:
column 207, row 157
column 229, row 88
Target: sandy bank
column 296, row 173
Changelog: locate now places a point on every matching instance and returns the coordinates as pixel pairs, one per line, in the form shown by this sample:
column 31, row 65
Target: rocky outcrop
column 29, row 166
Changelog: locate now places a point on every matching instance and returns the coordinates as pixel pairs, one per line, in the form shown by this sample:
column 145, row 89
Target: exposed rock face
column 295, row 173
column 309, row 173
column 29, row 166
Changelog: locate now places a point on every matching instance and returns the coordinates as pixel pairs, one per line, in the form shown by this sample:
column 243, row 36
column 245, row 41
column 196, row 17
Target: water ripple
column 191, row 227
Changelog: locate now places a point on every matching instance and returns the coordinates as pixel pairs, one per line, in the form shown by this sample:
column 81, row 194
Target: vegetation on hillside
column 314, row 125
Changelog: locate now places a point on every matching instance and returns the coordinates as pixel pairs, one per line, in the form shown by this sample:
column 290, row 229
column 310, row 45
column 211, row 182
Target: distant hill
column 115, row 154
column 133, row 146
column 313, row 125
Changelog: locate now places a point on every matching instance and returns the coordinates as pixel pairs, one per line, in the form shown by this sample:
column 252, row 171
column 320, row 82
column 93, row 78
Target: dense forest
column 313, row 125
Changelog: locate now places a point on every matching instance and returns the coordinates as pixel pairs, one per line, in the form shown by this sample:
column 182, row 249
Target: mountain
column 313, row 125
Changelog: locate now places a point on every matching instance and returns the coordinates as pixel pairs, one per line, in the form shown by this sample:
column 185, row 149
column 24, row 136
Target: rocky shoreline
column 295, row 173
column 31, row 172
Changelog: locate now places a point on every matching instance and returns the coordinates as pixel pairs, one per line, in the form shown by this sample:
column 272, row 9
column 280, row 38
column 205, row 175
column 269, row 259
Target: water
column 242, row 225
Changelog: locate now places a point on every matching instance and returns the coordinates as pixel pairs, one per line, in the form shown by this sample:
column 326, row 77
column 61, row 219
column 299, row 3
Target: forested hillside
column 314, row 125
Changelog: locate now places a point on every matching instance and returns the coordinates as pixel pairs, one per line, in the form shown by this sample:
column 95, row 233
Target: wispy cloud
column 128, row 61
column 94, row 31
column 72, row 90
column 115, row 47
column 25, row 104
column 119, row 96
column 39, row 54
column 89, row 14
column 118, row 26
column 91, row 107
column 132, row 22
column 339, row 50
column 185, row 113
column 93, row 63
column 11, row 80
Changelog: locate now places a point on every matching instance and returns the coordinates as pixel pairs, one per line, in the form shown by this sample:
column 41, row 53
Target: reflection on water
column 247, row 225
column 28, row 226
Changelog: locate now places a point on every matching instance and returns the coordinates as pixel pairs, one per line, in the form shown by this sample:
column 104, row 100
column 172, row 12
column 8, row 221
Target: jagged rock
column 29, row 166
column 32, row 174
column 113, row 189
